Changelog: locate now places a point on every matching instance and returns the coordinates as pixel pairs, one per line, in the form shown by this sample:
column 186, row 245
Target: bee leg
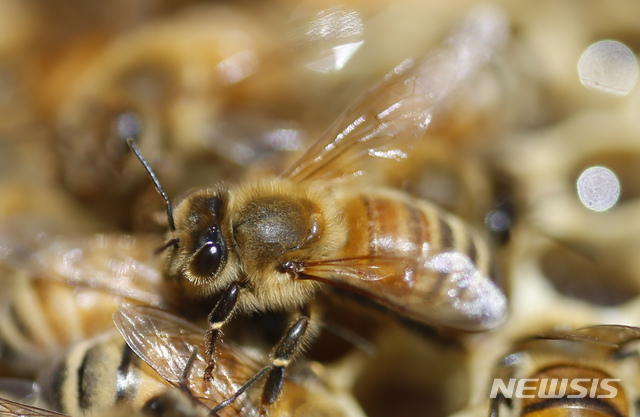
column 184, row 378
column 218, row 317
column 241, row 391
column 281, row 357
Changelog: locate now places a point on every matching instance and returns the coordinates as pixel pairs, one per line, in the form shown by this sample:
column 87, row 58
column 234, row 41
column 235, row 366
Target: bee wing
column 163, row 341
column 23, row 390
column 10, row 408
column 118, row 264
column 608, row 335
column 445, row 289
column 167, row 343
column 386, row 120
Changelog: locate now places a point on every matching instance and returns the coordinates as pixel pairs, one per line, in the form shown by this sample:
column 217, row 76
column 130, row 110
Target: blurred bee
column 58, row 290
column 197, row 77
column 97, row 374
column 19, row 396
column 167, row 402
column 270, row 244
column 589, row 371
column 171, row 403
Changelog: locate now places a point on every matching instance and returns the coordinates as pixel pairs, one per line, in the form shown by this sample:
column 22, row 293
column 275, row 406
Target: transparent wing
column 444, row 290
column 162, row 340
column 386, row 120
column 118, row 264
column 10, row 408
column 167, row 342
column 22, row 390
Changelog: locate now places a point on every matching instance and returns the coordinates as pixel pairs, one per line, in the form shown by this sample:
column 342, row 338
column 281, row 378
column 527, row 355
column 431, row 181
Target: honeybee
column 588, row 371
column 270, row 244
column 58, row 290
column 191, row 76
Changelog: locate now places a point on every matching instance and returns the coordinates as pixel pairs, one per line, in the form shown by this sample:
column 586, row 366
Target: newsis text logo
column 555, row 388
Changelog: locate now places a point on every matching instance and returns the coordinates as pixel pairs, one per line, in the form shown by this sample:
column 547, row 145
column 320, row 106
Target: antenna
column 128, row 128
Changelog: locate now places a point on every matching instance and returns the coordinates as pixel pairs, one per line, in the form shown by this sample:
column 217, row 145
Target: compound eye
column 211, row 256
column 207, row 260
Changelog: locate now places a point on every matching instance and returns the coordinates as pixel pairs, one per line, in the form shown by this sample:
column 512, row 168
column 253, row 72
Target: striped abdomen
column 412, row 257
column 98, row 374
column 392, row 223
column 65, row 289
column 41, row 316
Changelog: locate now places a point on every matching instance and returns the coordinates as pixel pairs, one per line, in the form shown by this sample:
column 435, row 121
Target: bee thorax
column 269, row 227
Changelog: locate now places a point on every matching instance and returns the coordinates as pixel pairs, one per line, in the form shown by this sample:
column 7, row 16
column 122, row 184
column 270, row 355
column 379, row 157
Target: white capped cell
column 609, row 67
column 598, row 188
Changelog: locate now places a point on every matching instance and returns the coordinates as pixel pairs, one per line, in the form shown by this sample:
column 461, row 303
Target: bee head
column 200, row 251
column 196, row 246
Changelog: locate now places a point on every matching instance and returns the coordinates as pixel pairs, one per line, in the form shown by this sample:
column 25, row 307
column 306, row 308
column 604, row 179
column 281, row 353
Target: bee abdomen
column 96, row 375
column 391, row 223
column 44, row 316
